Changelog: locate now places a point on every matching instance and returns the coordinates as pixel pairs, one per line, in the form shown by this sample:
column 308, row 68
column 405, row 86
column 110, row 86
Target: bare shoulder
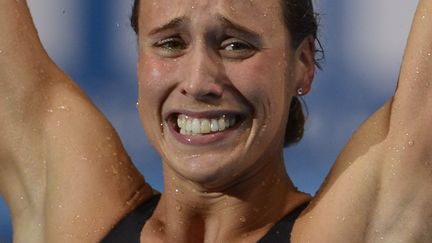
column 91, row 181
column 72, row 180
column 379, row 188
column 63, row 170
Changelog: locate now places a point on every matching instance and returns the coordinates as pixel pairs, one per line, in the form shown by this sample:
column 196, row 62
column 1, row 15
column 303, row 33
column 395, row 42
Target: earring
column 300, row 91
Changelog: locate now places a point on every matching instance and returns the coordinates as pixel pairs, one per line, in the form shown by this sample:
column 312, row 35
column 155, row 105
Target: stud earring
column 300, row 91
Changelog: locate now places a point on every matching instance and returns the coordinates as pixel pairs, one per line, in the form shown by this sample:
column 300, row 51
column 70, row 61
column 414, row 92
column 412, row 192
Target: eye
column 237, row 49
column 170, row 47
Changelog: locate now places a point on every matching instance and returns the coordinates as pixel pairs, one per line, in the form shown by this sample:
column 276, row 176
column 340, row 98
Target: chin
column 209, row 173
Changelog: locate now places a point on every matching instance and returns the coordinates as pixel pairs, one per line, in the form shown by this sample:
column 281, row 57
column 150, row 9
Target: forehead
column 259, row 14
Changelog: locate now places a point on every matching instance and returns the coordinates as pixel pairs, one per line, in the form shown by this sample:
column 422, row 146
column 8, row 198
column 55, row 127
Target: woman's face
column 216, row 78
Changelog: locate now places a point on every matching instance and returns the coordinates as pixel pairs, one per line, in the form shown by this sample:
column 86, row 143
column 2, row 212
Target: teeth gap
column 200, row 126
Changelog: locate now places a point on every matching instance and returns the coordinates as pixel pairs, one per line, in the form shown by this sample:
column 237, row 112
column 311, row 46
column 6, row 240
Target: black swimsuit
column 128, row 230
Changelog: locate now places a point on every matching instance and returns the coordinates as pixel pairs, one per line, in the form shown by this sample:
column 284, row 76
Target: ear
column 305, row 64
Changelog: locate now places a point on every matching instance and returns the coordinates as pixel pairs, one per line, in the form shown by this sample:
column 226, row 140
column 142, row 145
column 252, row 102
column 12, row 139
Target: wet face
column 215, row 81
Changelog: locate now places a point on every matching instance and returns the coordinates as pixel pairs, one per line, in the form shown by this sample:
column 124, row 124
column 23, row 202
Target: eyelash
column 231, row 48
column 168, row 42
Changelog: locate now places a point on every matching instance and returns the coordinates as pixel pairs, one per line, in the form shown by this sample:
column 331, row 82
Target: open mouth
column 200, row 126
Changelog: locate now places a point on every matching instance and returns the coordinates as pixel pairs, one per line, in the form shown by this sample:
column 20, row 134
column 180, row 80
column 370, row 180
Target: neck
column 245, row 210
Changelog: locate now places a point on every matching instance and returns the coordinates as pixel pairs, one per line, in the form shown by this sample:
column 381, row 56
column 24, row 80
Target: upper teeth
column 195, row 126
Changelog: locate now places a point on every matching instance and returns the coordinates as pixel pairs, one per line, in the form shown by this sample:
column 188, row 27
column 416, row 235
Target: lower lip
column 201, row 139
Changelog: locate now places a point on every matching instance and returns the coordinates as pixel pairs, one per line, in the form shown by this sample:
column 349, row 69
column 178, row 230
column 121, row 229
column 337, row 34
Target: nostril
column 203, row 91
column 213, row 96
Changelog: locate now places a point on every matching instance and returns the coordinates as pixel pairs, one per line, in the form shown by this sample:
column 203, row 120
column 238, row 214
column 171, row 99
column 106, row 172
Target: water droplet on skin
column 114, row 170
column 50, row 110
column 177, row 190
column 1, row 51
column 179, row 208
column 411, row 143
column 64, row 108
column 243, row 219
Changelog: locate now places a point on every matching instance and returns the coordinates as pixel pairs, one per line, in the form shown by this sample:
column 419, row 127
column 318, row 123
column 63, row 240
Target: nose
column 204, row 76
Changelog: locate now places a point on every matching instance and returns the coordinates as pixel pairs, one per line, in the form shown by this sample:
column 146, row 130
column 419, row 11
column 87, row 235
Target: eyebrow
column 231, row 24
column 174, row 23
column 179, row 21
column 247, row 32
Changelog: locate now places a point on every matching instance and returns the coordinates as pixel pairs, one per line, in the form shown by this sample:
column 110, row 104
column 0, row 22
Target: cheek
column 263, row 82
column 153, row 82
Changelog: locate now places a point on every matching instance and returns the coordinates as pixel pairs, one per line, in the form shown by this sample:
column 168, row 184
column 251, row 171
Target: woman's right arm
column 63, row 170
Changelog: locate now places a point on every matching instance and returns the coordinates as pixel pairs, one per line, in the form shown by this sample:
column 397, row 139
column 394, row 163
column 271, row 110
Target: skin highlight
column 208, row 62
column 301, row 22
column 197, row 71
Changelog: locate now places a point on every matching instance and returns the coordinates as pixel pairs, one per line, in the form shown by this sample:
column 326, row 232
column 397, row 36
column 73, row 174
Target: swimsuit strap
column 128, row 230
column 281, row 231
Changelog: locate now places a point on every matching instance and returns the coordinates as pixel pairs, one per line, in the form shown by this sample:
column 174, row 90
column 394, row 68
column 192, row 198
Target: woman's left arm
column 409, row 138
column 412, row 105
column 380, row 187
column 405, row 197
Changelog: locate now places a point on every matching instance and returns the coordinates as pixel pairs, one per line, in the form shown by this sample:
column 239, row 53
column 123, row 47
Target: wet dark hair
column 301, row 22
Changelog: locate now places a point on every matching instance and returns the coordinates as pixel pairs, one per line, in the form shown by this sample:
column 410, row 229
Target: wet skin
column 216, row 58
column 206, row 59
column 218, row 187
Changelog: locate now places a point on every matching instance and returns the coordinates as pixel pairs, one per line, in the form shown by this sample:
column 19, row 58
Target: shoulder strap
column 129, row 228
column 281, row 231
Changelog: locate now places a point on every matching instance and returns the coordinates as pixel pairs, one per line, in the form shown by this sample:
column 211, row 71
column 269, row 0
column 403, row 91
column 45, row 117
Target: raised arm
column 63, row 170
column 380, row 187
column 412, row 109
